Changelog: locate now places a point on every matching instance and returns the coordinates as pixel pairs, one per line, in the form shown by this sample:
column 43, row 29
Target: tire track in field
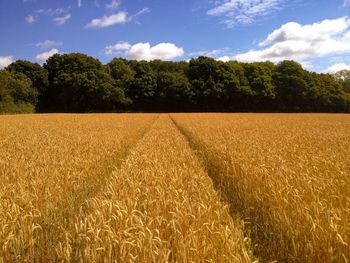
column 161, row 206
column 69, row 205
column 224, row 185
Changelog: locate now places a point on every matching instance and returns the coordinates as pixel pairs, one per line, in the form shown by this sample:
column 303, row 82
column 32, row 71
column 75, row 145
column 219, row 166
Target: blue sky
column 314, row 32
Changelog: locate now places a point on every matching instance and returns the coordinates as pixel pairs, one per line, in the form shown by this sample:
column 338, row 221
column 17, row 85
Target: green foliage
column 16, row 93
column 291, row 85
column 33, row 71
column 205, row 76
column 37, row 74
column 79, row 83
column 260, row 77
column 343, row 77
column 173, row 91
column 121, row 72
column 9, row 106
column 142, row 89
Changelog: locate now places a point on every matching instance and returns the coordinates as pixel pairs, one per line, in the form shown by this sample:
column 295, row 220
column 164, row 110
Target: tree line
column 79, row 83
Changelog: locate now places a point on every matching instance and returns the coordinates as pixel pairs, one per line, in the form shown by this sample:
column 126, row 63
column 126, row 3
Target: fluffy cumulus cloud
column 164, row 51
column 42, row 57
column 5, row 61
column 47, row 44
column 243, row 11
column 117, row 49
column 299, row 42
column 106, row 21
column 144, row 51
column 338, row 67
column 316, row 32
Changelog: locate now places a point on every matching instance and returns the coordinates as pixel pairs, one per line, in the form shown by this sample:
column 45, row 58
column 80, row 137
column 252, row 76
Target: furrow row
column 49, row 167
column 160, row 207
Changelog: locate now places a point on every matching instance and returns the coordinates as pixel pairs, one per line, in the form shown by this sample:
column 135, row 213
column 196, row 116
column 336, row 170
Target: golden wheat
column 197, row 188
column 88, row 188
column 159, row 207
column 287, row 175
column 49, row 165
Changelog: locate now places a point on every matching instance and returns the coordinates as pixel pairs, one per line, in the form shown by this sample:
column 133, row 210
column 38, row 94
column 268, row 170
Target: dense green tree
column 121, row 72
column 330, row 94
column 79, row 83
column 169, row 66
column 343, row 77
column 174, row 92
column 142, row 90
column 37, row 74
column 263, row 90
column 291, row 86
column 16, row 92
column 204, row 76
column 235, row 85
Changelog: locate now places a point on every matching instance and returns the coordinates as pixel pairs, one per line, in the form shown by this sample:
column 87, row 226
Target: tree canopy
column 79, row 83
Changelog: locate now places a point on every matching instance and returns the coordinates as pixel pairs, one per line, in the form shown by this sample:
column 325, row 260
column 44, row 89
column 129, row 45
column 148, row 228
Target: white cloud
column 62, row 19
column 5, row 61
column 338, row 67
column 118, row 18
column 113, row 4
column 47, row 44
column 51, row 11
column 243, row 11
column 80, row 3
column 144, row 51
column 224, row 59
column 300, row 42
column 117, row 48
column 314, row 32
column 306, row 64
column 42, row 57
column 141, row 12
column 164, row 51
column 30, row 19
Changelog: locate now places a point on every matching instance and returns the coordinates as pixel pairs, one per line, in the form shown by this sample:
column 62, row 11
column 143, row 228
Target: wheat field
column 175, row 188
